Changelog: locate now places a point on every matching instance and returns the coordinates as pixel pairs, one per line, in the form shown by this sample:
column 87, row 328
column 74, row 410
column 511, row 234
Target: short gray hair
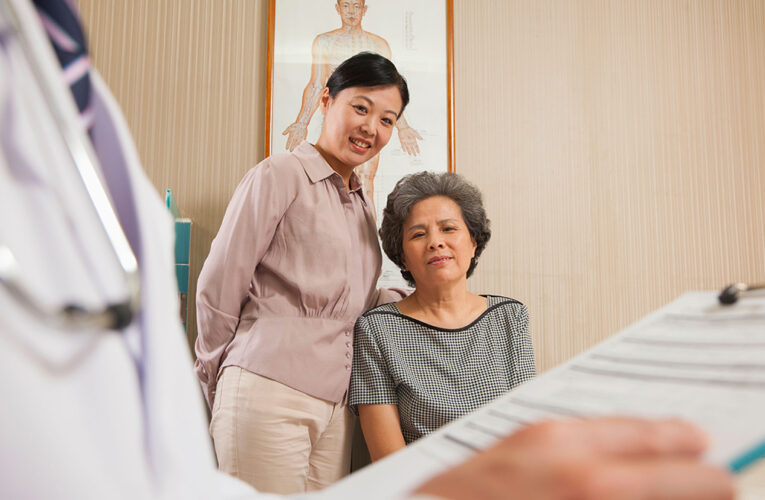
column 416, row 187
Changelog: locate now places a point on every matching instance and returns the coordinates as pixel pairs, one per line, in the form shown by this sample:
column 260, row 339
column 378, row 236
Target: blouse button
column 348, row 344
column 348, row 367
column 348, row 355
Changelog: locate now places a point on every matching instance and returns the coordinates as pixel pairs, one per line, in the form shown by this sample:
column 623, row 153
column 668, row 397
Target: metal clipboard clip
column 730, row 294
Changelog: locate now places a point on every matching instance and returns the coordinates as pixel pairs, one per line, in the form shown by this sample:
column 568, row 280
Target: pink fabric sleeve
column 245, row 235
column 386, row 295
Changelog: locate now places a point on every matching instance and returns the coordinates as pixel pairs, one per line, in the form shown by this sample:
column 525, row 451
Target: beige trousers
column 276, row 438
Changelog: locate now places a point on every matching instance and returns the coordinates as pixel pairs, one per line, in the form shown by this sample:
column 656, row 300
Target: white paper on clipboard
column 692, row 359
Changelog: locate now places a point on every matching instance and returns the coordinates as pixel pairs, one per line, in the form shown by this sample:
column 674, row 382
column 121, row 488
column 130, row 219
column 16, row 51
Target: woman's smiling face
column 437, row 245
column 358, row 123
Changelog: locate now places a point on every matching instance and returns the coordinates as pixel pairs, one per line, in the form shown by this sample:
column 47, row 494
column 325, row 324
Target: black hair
column 367, row 69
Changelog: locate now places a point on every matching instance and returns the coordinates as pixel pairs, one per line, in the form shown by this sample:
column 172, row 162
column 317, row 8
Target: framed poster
column 307, row 39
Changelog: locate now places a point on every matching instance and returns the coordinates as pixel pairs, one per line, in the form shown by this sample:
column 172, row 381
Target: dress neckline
column 490, row 307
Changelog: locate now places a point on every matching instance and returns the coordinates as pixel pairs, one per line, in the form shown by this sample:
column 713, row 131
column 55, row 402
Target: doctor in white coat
column 106, row 414
column 88, row 414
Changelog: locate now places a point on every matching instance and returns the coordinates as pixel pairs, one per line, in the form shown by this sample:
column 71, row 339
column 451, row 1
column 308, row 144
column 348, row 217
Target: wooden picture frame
column 405, row 11
column 308, row 38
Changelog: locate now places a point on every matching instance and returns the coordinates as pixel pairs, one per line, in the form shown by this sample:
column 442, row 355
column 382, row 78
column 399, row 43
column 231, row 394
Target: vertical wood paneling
column 618, row 146
column 618, row 143
column 190, row 77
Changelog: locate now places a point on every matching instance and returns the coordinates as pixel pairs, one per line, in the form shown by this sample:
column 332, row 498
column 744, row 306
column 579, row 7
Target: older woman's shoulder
column 499, row 300
column 513, row 306
column 509, row 311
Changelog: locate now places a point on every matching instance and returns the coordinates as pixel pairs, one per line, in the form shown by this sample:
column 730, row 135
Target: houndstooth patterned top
column 433, row 374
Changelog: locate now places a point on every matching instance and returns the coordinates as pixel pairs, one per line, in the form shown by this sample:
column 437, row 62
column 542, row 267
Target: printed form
column 692, row 359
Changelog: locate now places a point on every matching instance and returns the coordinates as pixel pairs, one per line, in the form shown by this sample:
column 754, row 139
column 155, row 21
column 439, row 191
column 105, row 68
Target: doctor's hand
column 611, row 458
column 295, row 133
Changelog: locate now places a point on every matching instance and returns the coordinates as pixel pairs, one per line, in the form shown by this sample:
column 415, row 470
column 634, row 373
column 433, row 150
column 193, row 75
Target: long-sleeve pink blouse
column 294, row 264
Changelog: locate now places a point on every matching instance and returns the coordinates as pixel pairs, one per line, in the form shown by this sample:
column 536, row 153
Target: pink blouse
column 293, row 266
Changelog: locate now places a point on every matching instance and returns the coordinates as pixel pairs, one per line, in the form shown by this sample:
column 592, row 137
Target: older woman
column 443, row 351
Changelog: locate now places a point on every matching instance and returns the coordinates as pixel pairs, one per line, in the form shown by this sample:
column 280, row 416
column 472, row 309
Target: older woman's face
column 437, row 245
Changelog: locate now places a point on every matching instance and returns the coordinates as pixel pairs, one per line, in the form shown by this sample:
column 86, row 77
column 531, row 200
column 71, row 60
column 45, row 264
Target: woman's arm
column 382, row 429
column 523, row 347
column 372, row 392
column 245, row 234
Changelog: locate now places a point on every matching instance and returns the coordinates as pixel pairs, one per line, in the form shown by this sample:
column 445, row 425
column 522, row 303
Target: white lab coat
column 74, row 422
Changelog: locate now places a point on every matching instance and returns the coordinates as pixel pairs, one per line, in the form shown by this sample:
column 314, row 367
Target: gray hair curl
column 416, row 187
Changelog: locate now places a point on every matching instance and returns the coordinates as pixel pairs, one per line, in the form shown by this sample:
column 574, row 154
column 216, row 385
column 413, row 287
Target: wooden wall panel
column 190, row 77
column 620, row 148
column 619, row 144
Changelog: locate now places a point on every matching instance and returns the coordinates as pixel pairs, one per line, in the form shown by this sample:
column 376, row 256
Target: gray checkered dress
column 433, row 374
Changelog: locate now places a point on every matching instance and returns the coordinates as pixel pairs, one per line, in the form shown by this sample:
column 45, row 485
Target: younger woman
column 294, row 264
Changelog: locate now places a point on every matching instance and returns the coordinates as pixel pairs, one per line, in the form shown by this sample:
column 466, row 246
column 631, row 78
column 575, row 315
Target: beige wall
column 190, row 77
column 620, row 144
